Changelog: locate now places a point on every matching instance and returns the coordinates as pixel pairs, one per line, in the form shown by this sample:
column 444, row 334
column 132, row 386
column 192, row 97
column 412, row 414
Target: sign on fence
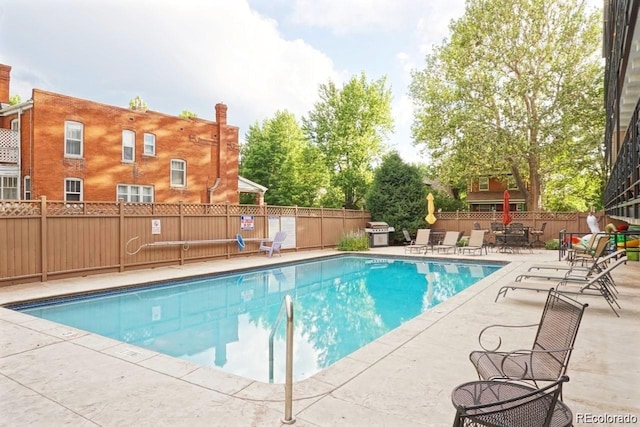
column 246, row 222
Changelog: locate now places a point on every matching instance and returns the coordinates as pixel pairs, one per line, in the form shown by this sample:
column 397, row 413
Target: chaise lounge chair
column 420, row 243
column 600, row 284
column 450, row 242
column 476, row 243
column 275, row 245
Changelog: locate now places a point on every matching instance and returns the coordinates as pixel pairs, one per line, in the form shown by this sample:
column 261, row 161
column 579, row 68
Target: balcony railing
column 9, row 146
column 622, row 194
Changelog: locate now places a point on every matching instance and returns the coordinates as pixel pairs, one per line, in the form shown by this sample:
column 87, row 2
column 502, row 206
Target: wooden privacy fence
column 42, row 240
column 575, row 222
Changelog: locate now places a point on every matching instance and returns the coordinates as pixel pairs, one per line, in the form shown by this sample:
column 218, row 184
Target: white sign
column 155, row 226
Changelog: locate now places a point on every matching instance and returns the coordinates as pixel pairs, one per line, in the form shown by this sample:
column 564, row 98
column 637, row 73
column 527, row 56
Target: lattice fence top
column 9, row 146
column 515, row 216
column 16, row 208
column 83, row 208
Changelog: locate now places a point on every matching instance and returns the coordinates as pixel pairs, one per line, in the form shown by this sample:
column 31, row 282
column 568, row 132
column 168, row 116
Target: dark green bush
column 354, row 241
column 552, row 245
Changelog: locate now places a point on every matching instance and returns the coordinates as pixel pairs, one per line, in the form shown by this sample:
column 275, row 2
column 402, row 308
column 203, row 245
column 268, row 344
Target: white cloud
column 175, row 54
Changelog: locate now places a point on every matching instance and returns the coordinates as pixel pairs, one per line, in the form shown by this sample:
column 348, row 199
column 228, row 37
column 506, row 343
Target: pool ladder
column 286, row 307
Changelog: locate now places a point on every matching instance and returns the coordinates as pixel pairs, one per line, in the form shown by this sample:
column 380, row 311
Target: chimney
column 5, row 72
column 221, row 114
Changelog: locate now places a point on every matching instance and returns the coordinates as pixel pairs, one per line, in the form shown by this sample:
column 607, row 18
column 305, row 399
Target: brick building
column 72, row 149
column 486, row 194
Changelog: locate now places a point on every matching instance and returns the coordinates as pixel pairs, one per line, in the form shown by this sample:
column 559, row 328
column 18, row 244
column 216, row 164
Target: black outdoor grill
column 378, row 232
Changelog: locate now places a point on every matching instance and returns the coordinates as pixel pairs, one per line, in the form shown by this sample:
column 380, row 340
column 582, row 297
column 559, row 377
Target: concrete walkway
column 53, row 375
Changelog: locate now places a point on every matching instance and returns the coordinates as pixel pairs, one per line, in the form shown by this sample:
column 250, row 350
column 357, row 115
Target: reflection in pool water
column 340, row 304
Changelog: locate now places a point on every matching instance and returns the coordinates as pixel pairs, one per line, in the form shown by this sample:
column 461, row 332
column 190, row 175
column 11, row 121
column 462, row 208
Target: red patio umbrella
column 506, row 217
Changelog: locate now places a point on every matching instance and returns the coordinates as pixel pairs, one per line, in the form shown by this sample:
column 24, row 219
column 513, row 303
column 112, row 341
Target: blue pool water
column 224, row 321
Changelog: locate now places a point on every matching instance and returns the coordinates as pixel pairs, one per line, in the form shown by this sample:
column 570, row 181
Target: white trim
column 72, row 155
column 144, row 144
column 247, row 186
column 128, row 141
column 184, row 173
column 81, row 189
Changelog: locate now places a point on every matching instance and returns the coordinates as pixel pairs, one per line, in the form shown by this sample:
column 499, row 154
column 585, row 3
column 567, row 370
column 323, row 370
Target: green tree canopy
column 348, row 126
column 517, row 89
column 277, row 156
column 398, row 195
column 187, row 114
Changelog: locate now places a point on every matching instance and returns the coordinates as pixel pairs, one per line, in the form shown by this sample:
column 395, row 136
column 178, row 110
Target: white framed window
column 73, row 189
column 135, row 193
column 15, row 125
column 149, row 144
column 128, row 146
column 8, row 187
column 483, row 183
column 73, row 139
column 27, row 187
column 178, row 173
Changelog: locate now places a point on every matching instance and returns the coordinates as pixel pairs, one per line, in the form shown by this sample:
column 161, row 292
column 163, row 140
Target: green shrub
column 552, row 245
column 354, row 241
column 463, row 242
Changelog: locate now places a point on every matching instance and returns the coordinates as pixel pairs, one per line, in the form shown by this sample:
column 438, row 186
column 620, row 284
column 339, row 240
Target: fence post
column 181, row 229
column 43, row 238
column 121, row 243
column 321, row 227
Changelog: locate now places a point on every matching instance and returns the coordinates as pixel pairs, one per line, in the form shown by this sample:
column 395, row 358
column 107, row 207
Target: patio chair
column 274, row 246
column 420, row 243
column 548, row 358
column 537, row 233
column 407, row 237
column 600, row 284
column 450, row 241
column 569, row 270
column 506, row 404
column 599, row 260
column 576, row 251
column 476, row 243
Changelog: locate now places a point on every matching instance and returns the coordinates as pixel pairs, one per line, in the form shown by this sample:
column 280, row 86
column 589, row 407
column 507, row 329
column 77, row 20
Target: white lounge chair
column 450, row 242
column 476, row 243
column 421, row 243
column 273, row 246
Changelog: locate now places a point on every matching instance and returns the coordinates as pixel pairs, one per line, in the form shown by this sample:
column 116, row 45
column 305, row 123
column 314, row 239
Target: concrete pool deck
column 53, row 375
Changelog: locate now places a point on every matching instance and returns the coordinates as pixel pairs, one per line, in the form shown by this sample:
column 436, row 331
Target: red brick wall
column 101, row 167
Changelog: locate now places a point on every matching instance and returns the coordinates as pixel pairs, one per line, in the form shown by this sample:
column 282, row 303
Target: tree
column 277, row 156
column 138, row 104
column 186, row 114
column 15, row 99
column 518, row 89
column 398, row 195
column 348, row 126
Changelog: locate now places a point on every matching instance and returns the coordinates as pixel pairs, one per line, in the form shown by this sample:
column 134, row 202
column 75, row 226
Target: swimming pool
column 341, row 304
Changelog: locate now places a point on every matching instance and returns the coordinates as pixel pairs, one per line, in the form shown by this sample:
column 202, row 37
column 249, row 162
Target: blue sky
column 257, row 56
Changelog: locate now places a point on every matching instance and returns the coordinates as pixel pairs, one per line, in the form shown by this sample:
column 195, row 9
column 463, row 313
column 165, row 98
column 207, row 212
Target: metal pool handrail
column 287, row 306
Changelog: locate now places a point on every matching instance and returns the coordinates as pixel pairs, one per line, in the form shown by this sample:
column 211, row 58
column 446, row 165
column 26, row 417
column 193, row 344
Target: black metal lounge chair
column 548, row 358
column 507, row 404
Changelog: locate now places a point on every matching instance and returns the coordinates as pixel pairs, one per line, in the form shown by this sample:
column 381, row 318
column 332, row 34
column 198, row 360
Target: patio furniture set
column 520, row 388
